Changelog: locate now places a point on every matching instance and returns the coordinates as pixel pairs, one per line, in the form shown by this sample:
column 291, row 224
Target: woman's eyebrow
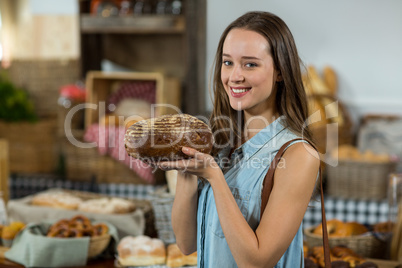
column 243, row 57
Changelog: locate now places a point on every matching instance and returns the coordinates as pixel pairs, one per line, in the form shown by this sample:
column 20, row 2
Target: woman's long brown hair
column 291, row 101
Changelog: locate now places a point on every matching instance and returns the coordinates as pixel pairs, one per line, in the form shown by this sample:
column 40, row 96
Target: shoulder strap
column 269, row 183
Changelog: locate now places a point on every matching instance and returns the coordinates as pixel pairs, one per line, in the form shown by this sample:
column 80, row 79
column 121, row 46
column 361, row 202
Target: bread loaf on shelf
column 175, row 258
column 162, row 138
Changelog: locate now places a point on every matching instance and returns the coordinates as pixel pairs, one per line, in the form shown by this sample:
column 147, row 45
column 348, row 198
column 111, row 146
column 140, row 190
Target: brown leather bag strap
column 269, row 183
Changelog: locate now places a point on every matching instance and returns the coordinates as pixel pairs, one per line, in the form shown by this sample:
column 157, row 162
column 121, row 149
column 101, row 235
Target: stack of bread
column 325, row 109
column 66, row 200
column 146, row 251
column 322, row 91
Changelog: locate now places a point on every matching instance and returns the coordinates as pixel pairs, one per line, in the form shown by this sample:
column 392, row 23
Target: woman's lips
column 238, row 92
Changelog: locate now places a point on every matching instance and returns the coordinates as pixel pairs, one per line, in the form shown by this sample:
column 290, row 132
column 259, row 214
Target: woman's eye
column 250, row 65
column 227, row 63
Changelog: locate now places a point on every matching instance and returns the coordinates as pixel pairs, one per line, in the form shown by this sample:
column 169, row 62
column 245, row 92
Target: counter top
column 4, row 263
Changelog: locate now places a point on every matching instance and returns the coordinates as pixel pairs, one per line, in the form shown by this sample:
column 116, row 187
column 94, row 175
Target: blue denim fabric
column 244, row 174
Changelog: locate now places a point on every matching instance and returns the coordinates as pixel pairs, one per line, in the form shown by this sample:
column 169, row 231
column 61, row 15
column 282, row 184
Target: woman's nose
column 236, row 74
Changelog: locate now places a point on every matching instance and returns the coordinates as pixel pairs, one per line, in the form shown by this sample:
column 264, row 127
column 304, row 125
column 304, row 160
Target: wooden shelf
column 145, row 24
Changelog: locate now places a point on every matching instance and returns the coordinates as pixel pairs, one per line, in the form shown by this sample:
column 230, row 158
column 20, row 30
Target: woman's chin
column 237, row 106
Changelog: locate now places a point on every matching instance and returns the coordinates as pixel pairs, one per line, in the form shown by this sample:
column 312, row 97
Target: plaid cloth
column 110, row 140
column 143, row 90
column 365, row 212
column 22, row 185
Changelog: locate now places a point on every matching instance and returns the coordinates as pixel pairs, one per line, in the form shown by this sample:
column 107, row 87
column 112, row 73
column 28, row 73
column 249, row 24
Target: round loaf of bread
column 162, row 138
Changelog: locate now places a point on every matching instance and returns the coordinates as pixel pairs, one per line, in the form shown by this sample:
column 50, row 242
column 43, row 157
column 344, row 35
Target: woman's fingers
column 197, row 164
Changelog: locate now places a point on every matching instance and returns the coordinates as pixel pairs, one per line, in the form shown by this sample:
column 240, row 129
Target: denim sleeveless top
column 244, row 173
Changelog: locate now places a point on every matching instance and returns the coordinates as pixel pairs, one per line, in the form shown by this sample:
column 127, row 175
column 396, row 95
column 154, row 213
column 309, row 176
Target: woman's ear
column 279, row 78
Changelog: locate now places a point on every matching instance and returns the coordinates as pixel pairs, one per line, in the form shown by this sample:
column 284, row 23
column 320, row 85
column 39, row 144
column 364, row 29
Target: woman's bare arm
column 184, row 213
column 293, row 187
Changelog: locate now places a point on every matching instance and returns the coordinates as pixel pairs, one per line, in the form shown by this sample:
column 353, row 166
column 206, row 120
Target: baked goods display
column 341, row 257
column 57, row 199
column 112, row 205
column 77, row 226
column 351, row 153
column 144, row 251
column 337, row 228
column 141, row 251
column 66, row 200
column 162, row 138
column 175, row 258
column 322, row 92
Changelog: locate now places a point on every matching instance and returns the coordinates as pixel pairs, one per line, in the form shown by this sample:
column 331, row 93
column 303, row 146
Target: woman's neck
column 255, row 123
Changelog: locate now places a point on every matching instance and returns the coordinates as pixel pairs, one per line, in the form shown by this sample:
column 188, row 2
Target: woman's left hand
column 200, row 164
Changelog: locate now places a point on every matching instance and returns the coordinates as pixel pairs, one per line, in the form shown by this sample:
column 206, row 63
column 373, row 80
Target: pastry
column 77, row 226
column 337, row 228
column 141, row 251
column 383, row 227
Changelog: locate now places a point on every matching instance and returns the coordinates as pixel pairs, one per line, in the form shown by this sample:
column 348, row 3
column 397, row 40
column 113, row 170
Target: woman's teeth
column 238, row 90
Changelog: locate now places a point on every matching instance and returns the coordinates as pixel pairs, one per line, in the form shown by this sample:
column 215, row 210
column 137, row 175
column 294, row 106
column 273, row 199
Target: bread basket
column 366, row 245
column 97, row 245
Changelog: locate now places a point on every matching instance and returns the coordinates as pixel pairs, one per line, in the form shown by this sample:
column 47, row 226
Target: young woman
column 260, row 104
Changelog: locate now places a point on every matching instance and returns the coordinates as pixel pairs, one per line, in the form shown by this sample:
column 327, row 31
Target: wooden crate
column 99, row 86
column 33, row 147
column 82, row 164
column 4, row 169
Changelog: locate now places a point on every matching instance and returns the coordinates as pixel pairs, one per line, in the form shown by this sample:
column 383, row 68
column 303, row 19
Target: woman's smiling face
column 248, row 73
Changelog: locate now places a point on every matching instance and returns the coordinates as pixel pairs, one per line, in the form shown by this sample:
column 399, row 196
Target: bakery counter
column 4, row 263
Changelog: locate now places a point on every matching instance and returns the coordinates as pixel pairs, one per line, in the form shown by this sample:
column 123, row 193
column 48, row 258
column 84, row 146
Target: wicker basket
column 97, row 245
column 359, row 180
column 162, row 203
column 144, row 205
column 32, row 146
column 366, row 245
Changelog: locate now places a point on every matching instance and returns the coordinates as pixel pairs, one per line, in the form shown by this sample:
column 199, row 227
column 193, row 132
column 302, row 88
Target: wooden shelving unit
column 173, row 45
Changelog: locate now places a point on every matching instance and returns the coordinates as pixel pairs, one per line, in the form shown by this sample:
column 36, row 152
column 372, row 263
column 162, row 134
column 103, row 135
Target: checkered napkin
column 110, row 141
column 363, row 211
column 143, row 90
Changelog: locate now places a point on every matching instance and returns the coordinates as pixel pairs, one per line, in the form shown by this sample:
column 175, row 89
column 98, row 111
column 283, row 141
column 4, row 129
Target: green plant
column 15, row 104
